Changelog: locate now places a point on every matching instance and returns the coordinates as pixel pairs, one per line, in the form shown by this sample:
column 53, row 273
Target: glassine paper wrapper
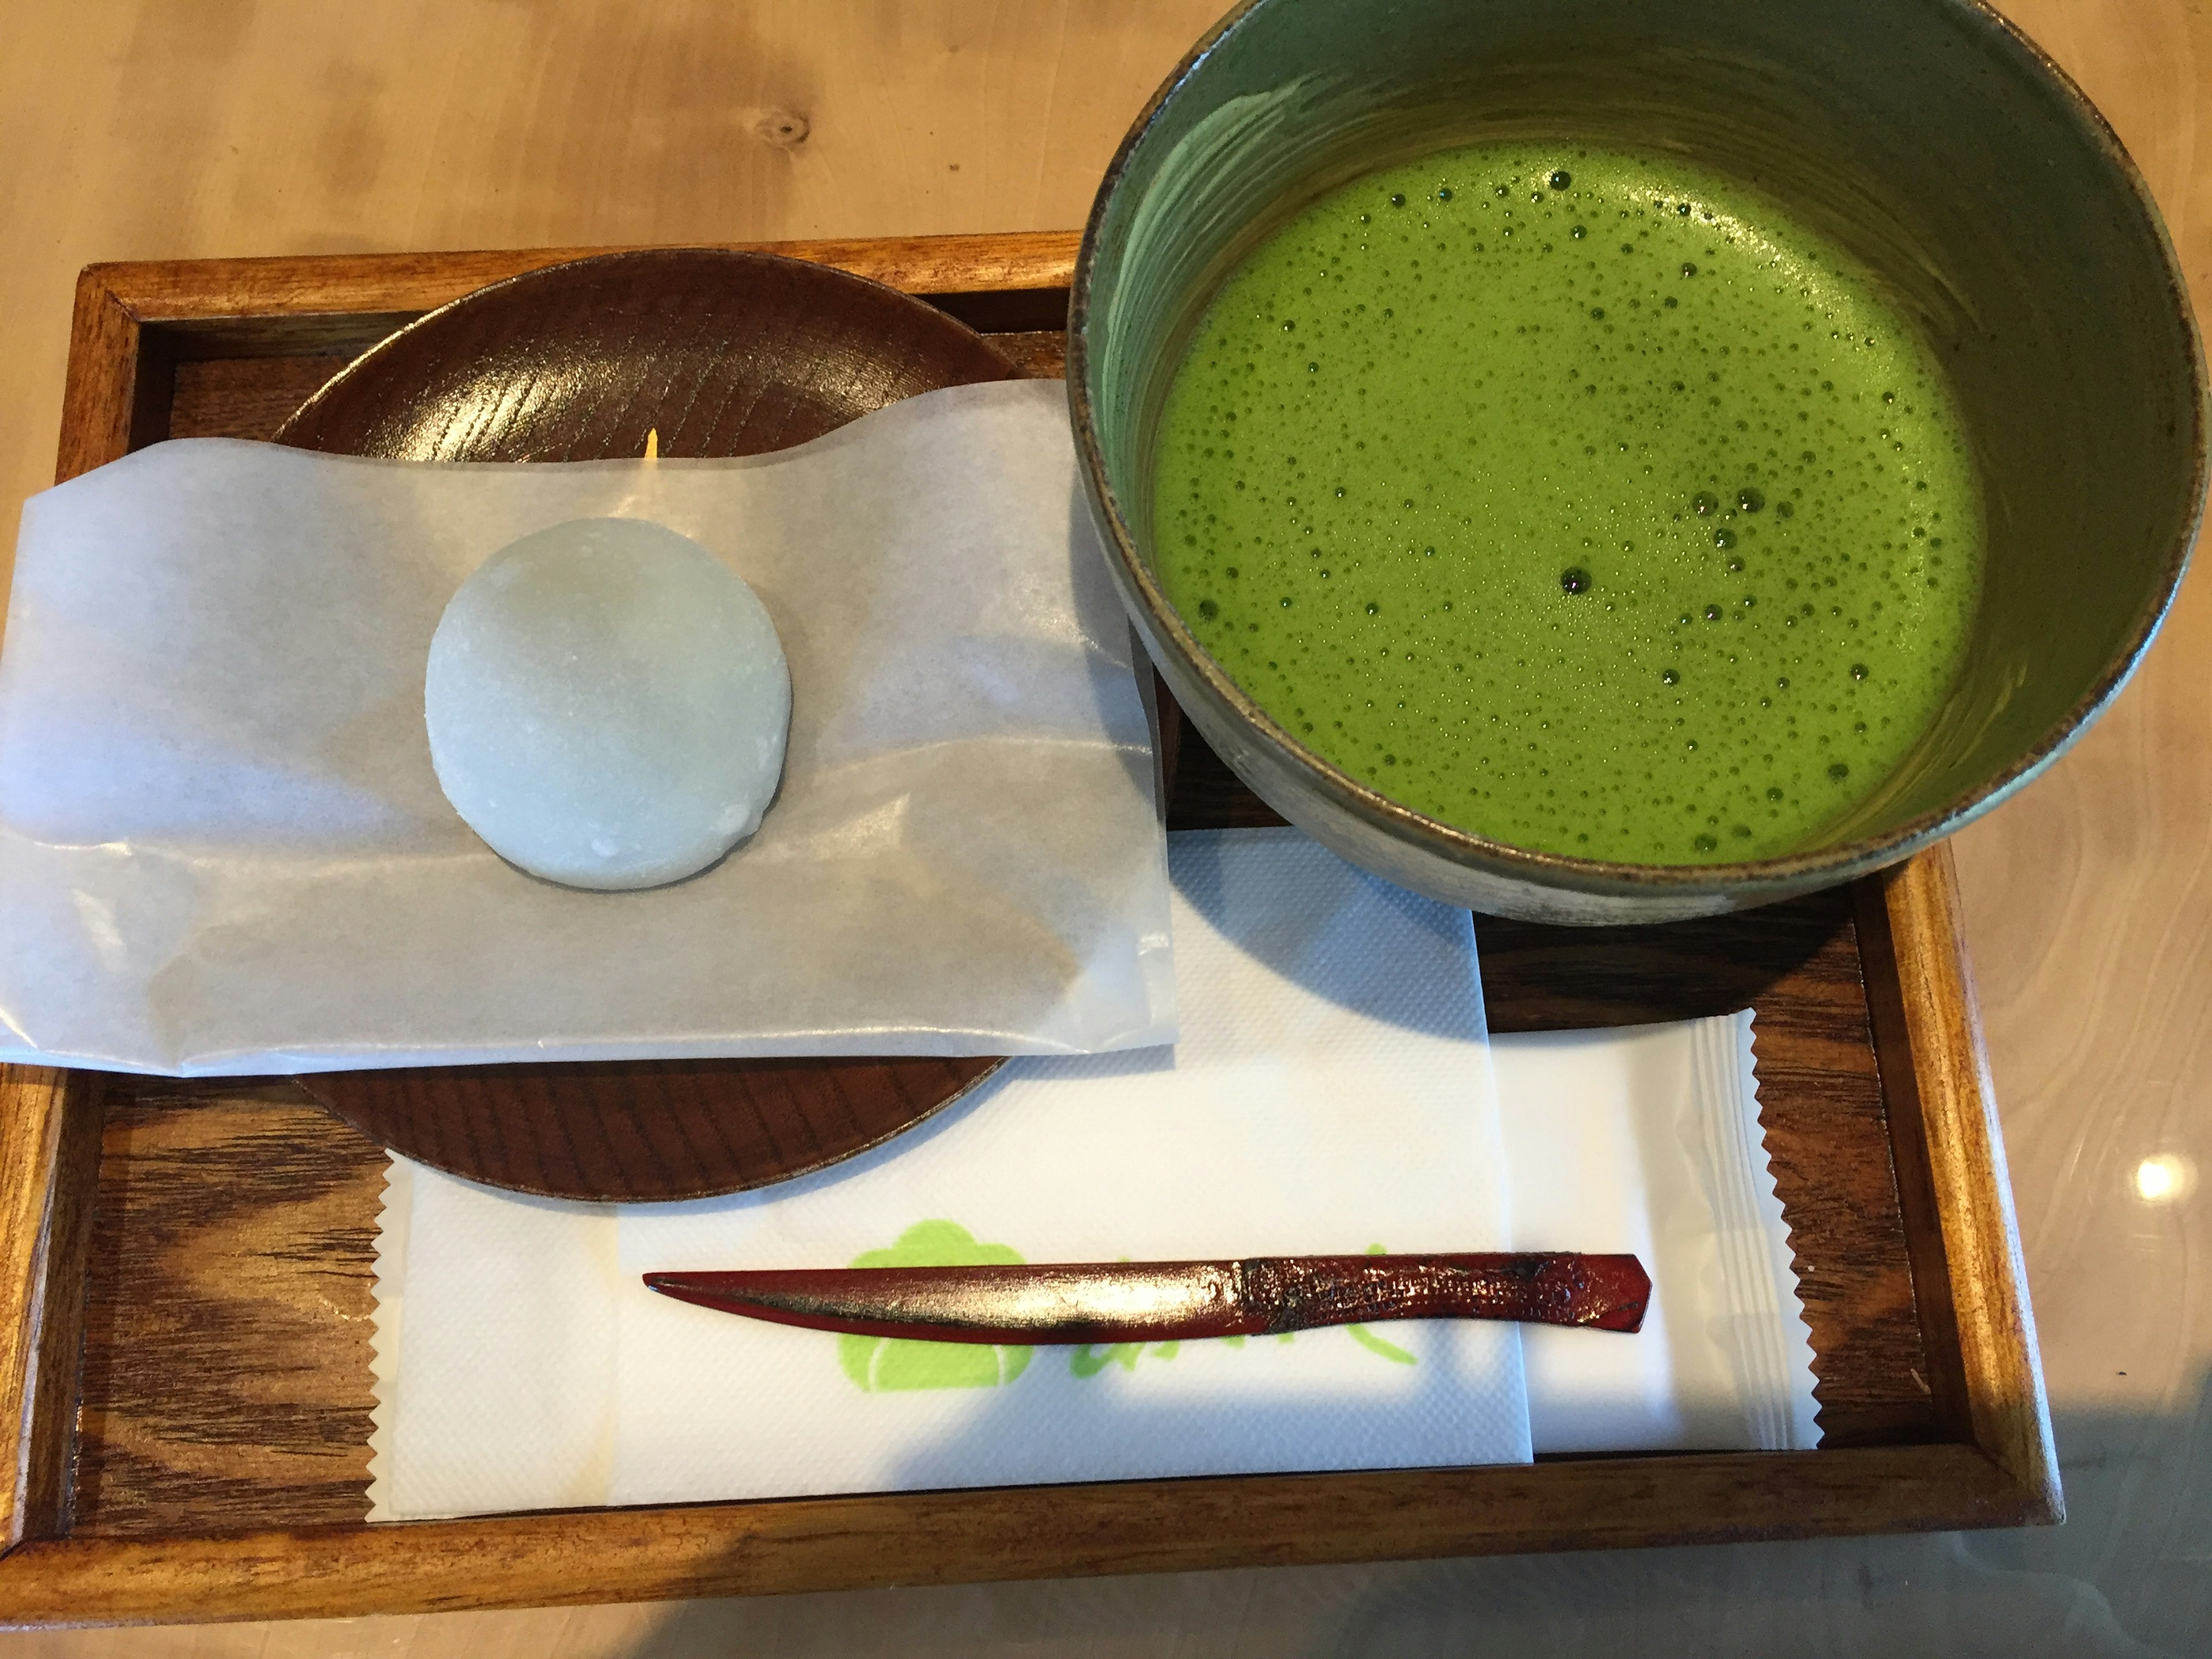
column 222, row 848
column 1647, row 1139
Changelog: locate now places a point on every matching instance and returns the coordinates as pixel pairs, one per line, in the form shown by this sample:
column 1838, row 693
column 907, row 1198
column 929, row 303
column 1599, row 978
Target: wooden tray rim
column 1998, row 1469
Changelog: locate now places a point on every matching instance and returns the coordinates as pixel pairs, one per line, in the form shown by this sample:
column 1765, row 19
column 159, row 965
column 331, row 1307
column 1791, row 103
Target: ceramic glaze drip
column 1579, row 498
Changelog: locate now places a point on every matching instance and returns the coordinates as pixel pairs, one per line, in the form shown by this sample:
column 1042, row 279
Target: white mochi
column 607, row 702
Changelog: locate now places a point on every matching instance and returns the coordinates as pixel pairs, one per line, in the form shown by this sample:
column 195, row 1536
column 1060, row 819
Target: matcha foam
column 1579, row 498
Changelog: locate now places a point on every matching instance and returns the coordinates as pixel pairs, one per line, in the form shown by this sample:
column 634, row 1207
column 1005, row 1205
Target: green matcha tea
column 1578, row 498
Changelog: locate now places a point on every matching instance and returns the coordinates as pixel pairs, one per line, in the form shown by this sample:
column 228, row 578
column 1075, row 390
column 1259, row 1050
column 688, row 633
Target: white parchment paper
column 222, row 848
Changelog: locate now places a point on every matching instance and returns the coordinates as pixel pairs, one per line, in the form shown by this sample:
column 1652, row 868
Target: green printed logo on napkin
column 880, row 1364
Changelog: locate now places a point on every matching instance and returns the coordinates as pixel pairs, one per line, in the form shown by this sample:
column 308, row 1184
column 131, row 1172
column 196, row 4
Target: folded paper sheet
column 1646, row 1139
column 1330, row 1093
column 222, row 847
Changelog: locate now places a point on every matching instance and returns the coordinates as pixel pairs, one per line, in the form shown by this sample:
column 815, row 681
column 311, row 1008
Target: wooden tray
column 184, row 1268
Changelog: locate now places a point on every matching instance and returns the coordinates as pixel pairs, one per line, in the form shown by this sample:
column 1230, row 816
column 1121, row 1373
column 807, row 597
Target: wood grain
column 30, row 1134
column 279, row 300
column 47, row 1120
column 232, row 396
column 47, row 1469
column 121, row 388
column 1034, row 1532
column 227, row 1327
column 103, row 406
column 1985, row 1296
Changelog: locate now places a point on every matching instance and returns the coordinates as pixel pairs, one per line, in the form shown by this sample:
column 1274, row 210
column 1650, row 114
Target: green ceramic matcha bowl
column 1927, row 137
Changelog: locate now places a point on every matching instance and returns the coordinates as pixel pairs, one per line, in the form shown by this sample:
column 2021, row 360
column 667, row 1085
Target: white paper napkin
column 222, row 847
column 1647, row 1139
column 1330, row 1093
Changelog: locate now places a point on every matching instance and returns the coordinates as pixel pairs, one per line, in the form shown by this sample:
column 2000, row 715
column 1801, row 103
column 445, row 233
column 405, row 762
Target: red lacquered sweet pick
column 1174, row 1301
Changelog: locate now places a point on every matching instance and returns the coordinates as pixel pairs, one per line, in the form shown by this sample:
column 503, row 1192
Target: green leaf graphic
column 1376, row 1345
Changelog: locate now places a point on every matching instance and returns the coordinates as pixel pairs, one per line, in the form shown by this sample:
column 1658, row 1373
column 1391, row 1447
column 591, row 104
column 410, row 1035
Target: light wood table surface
column 155, row 129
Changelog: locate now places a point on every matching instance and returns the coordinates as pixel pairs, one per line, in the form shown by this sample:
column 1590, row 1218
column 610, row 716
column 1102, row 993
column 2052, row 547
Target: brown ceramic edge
column 1752, row 882
column 676, row 1195
column 287, row 434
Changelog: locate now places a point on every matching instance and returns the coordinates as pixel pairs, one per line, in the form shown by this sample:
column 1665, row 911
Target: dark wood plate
column 724, row 354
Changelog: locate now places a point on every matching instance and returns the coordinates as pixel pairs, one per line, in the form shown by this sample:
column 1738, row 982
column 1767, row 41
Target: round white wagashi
column 607, row 702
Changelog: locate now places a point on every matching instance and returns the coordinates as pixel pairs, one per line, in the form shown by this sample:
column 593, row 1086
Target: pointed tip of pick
column 686, row 1287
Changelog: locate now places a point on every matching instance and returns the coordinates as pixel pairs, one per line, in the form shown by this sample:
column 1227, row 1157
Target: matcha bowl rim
column 1368, row 828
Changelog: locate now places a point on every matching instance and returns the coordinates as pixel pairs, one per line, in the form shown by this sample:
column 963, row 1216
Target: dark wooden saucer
column 724, row 354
